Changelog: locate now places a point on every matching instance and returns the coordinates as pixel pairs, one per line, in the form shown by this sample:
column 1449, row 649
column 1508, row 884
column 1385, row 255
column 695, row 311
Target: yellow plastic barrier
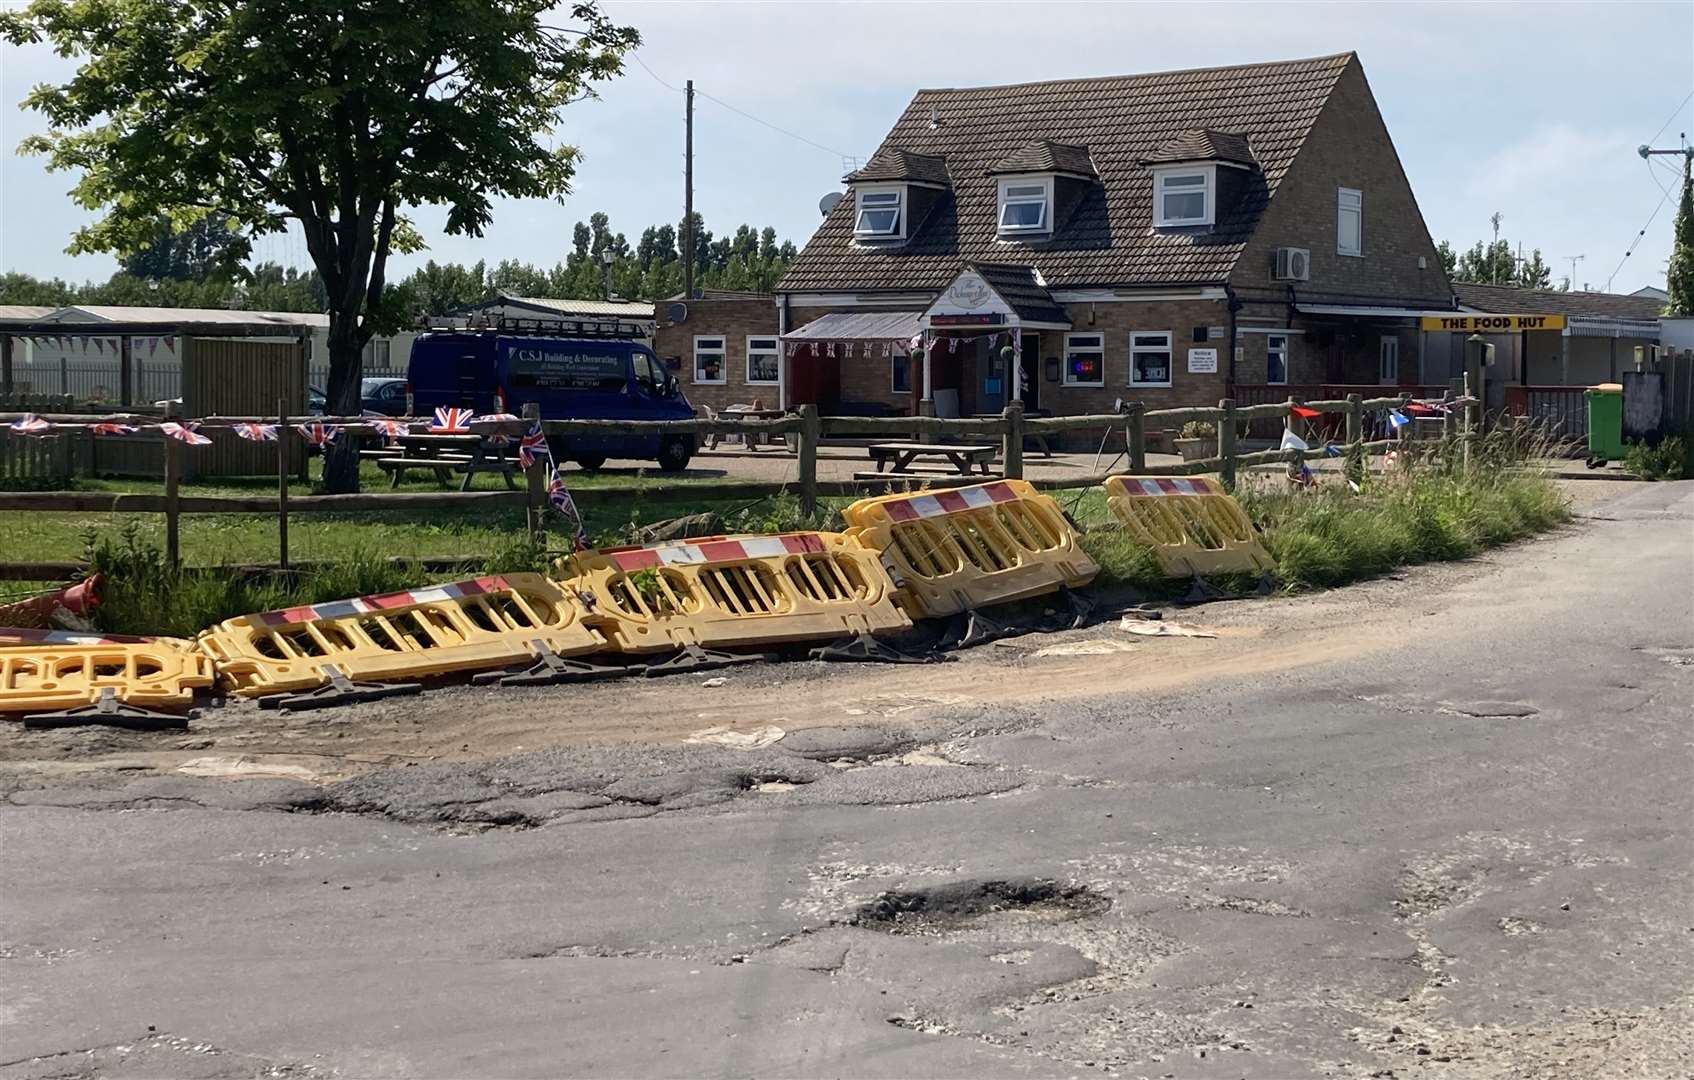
column 487, row 622
column 966, row 548
column 1193, row 525
column 66, row 674
column 723, row 591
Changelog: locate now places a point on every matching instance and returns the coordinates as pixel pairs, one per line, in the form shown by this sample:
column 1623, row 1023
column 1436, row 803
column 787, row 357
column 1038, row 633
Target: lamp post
column 606, row 260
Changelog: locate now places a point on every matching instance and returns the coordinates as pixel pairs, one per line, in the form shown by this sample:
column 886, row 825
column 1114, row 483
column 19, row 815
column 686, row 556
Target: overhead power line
column 739, row 111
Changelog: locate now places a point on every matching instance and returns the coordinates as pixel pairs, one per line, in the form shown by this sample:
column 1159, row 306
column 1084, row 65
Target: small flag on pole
column 451, row 421
column 1302, row 411
column 559, row 497
column 31, row 424
column 533, row 447
column 255, row 432
column 318, row 434
column 1398, row 419
column 1291, row 441
column 184, row 433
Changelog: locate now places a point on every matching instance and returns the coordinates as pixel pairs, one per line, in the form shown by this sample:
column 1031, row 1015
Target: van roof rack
column 499, row 324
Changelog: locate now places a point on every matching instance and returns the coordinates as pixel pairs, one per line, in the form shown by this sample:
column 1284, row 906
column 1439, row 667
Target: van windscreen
column 561, row 368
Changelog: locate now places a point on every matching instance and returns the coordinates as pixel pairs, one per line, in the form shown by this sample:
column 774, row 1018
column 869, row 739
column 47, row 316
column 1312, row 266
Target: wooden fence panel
column 36, row 461
column 232, row 377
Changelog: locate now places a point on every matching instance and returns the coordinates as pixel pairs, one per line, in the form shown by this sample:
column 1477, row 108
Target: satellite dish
column 678, row 314
column 827, row 203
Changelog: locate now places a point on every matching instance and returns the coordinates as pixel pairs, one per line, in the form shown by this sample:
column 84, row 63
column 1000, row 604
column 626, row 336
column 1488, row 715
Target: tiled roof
column 1511, row 300
column 1107, row 239
column 576, row 309
column 1204, row 146
column 1019, row 288
column 895, row 163
column 1045, row 155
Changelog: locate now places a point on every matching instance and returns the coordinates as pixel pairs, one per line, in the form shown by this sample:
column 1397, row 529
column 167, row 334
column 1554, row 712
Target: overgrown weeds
column 1671, row 459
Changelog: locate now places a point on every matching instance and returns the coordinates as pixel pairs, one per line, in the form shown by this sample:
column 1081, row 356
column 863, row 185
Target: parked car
column 317, row 402
column 569, row 378
column 383, row 395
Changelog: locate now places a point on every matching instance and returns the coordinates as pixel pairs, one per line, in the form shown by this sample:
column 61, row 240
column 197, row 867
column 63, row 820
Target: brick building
column 722, row 346
column 1173, row 238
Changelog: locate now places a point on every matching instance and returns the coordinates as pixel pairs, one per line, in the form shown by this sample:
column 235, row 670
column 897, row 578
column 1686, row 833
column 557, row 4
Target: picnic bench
column 447, row 454
column 742, row 412
column 899, row 457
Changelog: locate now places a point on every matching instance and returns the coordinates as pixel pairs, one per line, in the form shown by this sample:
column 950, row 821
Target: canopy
column 899, row 326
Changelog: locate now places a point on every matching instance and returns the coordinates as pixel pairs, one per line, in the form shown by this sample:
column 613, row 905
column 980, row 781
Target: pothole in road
column 963, row 905
column 1494, row 710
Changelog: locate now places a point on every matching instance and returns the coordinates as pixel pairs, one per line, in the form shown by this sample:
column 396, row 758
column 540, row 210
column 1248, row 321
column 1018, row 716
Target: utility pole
column 1574, row 259
column 688, row 199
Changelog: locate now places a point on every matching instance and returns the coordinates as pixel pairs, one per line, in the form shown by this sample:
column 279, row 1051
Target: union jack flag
column 452, row 421
column 533, row 447
column 111, row 427
column 318, row 434
column 255, row 432
column 390, row 429
column 560, row 498
column 31, row 424
column 184, row 433
column 499, row 427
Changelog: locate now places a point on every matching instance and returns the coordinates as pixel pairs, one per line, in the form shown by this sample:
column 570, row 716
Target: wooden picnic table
column 446, row 454
column 897, row 457
column 744, row 414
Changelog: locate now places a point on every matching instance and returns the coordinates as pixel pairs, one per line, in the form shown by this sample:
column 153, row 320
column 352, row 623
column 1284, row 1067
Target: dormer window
column 1026, row 205
column 880, row 214
column 1184, row 196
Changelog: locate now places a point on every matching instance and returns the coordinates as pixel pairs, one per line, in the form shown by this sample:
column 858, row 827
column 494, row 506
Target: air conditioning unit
column 1293, row 264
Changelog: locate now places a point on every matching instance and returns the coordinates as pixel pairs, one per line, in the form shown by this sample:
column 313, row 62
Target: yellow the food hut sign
column 1492, row 324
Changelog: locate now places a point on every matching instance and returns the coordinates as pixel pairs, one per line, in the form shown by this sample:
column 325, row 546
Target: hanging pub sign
column 1492, row 324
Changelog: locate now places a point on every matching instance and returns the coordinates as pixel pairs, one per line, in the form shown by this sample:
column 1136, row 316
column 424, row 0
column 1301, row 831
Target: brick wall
column 732, row 319
column 1349, row 146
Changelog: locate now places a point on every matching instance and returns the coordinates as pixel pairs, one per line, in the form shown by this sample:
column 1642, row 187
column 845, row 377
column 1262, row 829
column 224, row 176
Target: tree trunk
column 346, row 370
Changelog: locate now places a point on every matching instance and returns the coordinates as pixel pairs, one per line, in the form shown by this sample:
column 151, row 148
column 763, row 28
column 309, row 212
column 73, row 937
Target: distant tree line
column 201, row 267
column 1496, row 264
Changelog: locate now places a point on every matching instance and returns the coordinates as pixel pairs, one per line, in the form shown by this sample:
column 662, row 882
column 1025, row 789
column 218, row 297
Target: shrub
column 1670, row 460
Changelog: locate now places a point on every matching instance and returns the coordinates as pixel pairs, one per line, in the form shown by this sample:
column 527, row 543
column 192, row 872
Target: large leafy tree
column 1679, row 280
column 338, row 115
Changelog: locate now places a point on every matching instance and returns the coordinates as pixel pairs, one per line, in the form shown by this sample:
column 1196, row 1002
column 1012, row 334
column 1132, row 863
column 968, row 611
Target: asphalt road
column 1462, row 849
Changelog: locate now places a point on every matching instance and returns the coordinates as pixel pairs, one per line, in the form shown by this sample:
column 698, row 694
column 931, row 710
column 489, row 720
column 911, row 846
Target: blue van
column 570, row 378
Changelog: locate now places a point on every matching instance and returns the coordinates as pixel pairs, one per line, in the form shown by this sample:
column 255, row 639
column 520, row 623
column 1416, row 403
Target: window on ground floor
column 900, row 377
column 709, row 356
column 763, row 368
column 1150, row 358
column 1276, row 358
column 1085, row 360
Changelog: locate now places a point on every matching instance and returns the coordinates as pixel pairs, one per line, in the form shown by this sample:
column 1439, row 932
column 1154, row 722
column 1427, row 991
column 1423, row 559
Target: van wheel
column 591, row 462
column 674, row 453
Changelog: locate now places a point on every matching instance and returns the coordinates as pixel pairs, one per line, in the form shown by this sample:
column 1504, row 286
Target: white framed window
column 900, row 374
column 1183, row 196
column 709, row 356
column 1388, row 360
column 764, row 366
column 881, row 213
column 1150, row 358
column 1276, row 359
column 1085, row 360
column 1349, row 221
column 1026, row 205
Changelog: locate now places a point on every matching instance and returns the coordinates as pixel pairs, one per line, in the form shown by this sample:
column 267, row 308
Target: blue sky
column 1531, row 110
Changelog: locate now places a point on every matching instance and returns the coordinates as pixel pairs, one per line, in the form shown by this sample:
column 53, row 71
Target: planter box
column 1196, row 449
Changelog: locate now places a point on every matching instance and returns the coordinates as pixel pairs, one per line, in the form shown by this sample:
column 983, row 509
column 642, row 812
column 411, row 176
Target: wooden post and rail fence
column 1010, row 429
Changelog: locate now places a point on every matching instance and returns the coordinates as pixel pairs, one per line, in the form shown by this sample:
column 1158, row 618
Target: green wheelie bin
column 1605, row 422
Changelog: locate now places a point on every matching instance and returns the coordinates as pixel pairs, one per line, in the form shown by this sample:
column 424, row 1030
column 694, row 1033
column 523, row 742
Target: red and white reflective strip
column 1161, row 486
column 14, row 635
column 717, row 549
column 955, row 501
column 365, row 605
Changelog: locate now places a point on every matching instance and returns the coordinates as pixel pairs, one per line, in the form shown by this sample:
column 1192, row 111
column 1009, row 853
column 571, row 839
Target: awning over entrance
column 993, row 295
column 889, row 326
column 1360, row 312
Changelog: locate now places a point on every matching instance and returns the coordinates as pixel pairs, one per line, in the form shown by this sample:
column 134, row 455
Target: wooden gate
column 235, row 377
